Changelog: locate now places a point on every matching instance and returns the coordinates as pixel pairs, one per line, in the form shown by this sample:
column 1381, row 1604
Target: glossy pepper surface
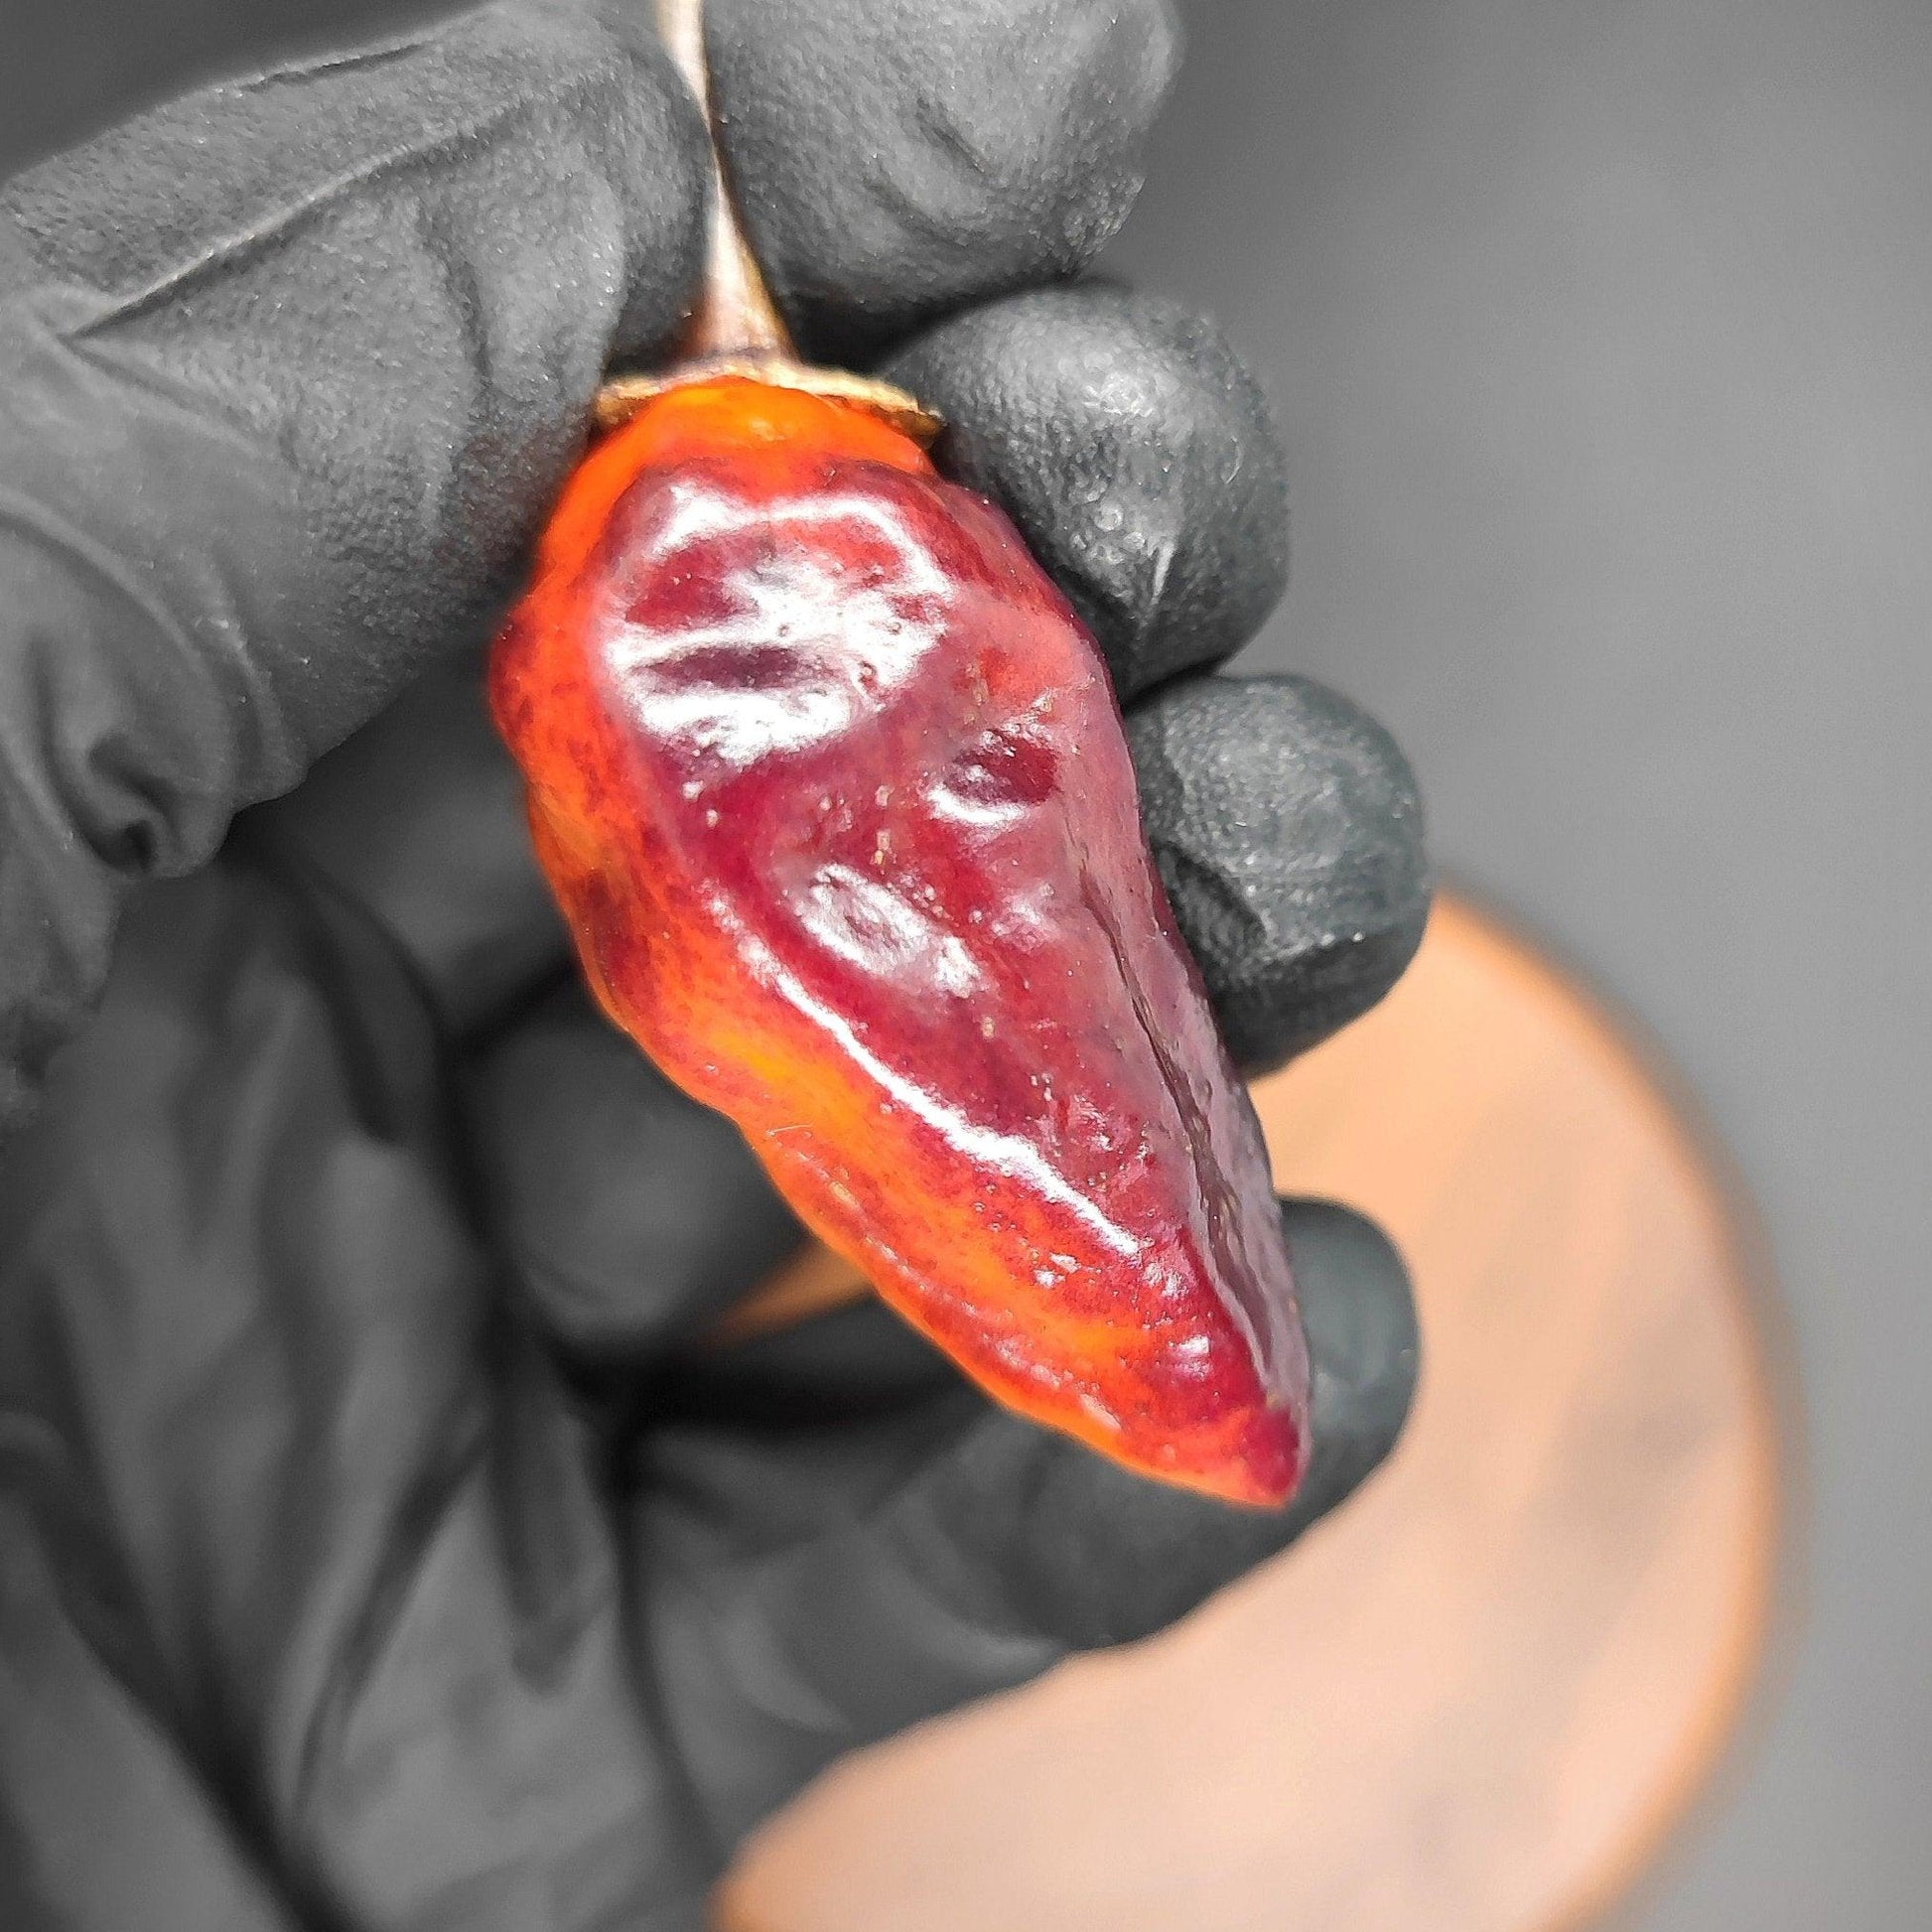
column 831, row 783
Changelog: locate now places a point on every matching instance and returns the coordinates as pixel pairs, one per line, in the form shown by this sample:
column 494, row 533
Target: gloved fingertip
column 1093, row 1554
column 893, row 161
column 1364, row 1345
column 1135, row 454
column 1291, row 835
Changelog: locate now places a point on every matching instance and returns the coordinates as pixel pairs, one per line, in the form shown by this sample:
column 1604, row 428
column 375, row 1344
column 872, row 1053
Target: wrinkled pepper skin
column 832, row 786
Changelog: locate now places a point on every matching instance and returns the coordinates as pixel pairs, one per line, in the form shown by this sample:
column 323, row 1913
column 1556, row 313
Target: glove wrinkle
column 262, row 160
column 284, row 226
column 327, row 65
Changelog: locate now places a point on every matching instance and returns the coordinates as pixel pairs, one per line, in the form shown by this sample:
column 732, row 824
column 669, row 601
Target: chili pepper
column 832, row 786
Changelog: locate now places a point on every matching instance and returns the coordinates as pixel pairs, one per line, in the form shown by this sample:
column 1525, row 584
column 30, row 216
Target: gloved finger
column 1288, row 833
column 294, row 368
column 419, row 821
column 1136, row 455
column 893, row 158
column 624, row 1211
column 803, row 1587
column 371, row 1586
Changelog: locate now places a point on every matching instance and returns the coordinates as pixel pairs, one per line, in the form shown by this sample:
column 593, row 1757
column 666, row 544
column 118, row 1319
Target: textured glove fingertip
column 895, row 159
column 1289, row 831
column 1135, row 454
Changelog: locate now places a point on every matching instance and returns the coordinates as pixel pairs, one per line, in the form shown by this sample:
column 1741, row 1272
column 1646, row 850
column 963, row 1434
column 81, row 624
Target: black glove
column 380, row 1543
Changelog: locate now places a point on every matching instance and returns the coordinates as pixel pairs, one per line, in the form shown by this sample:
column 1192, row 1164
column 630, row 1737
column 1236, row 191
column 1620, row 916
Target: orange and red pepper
column 832, row 785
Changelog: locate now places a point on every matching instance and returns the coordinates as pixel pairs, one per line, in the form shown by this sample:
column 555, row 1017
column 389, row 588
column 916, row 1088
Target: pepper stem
column 736, row 329
column 734, row 316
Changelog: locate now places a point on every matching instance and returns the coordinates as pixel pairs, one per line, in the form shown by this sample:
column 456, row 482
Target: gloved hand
column 382, row 1544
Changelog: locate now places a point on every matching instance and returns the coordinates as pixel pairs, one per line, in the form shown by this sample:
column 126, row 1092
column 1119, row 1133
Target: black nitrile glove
column 380, row 1548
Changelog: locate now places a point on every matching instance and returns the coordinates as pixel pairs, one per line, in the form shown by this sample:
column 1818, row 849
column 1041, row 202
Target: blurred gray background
column 1601, row 332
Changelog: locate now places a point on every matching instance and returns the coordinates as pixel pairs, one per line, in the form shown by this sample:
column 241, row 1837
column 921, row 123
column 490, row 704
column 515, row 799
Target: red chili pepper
column 832, row 785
